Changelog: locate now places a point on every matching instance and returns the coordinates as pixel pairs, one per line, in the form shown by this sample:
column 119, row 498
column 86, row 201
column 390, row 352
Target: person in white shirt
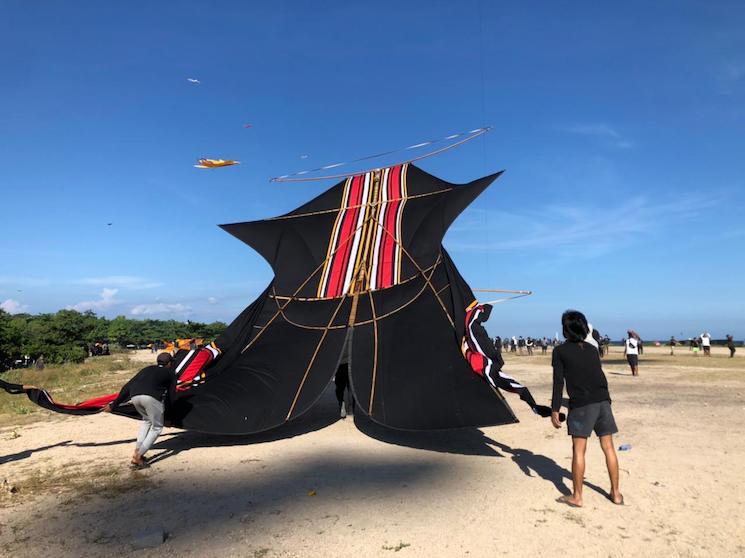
column 706, row 343
column 631, row 350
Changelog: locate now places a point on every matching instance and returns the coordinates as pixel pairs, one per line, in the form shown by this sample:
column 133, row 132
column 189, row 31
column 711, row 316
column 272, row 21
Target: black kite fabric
column 363, row 262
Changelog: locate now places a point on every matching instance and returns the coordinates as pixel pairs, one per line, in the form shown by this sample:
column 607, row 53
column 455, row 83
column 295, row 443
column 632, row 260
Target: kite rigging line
column 516, row 294
column 465, row 136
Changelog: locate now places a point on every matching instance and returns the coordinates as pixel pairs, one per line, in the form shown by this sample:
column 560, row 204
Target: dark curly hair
column 574, row 325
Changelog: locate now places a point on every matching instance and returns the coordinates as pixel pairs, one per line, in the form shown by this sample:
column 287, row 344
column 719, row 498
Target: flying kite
column 193, row 80
column 248, row 125
column 360, row 274
column 215, row 163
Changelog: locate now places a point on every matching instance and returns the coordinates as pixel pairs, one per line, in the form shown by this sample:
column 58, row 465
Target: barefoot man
column 577, row 363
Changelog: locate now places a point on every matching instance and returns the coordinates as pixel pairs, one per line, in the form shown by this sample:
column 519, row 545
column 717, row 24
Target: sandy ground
column 328, row 487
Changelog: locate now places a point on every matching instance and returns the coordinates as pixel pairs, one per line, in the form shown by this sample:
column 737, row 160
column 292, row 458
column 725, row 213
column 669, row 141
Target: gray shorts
column 598, row 417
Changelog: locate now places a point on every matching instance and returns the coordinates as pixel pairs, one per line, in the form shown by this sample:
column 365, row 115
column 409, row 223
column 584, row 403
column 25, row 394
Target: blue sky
column 620, row 127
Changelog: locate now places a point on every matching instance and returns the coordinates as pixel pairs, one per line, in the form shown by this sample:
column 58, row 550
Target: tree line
column 66, row 335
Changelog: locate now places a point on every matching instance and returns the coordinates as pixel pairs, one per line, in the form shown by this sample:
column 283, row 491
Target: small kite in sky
column 248, row 125
column 304, row 156
column 215, row 163
column 193, row 80
column 109, row 224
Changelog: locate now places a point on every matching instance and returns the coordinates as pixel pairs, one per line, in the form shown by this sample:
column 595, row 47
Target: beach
column 328, row 487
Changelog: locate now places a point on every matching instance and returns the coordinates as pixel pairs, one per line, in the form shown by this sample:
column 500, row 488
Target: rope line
column 300, row 175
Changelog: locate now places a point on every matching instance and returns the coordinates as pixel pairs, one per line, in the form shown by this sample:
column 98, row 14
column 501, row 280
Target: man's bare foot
column 617, row 499
column 570, row 501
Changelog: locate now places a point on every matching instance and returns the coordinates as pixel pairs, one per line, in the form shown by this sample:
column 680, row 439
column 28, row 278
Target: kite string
column 375, row 353
column 430, row 271
column 471, row 134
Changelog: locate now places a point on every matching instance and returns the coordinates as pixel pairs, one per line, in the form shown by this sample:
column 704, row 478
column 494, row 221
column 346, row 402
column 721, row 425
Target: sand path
column 325, row 487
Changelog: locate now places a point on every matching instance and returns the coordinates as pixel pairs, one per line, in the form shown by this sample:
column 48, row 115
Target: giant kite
column 360, row 271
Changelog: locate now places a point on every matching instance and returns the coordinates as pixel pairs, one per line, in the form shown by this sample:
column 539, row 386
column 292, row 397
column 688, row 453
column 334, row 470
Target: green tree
column 121, row 330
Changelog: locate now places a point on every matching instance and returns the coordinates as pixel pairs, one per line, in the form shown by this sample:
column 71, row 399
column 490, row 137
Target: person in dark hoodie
column 576, row 363
column 147, row 391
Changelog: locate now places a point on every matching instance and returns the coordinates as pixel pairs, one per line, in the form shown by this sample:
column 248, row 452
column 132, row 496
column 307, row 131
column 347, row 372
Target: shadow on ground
column 25, row 454
column 324, row 413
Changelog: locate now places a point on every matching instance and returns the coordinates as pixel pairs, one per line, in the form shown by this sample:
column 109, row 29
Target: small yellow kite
column 215, row 163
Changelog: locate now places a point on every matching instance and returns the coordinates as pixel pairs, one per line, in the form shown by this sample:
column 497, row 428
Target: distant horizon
column 491, row 326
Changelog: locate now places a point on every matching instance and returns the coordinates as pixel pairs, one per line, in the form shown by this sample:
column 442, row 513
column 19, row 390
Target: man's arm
column 558, row 387
column 121, row 398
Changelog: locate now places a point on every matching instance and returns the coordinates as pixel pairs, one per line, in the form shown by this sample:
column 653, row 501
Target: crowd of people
column 528, row 345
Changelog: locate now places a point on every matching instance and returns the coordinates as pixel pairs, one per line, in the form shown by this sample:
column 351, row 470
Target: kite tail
column 484, row 362
column 190, row 371
column 42, row 398
column 13, row 389
column 500, row 380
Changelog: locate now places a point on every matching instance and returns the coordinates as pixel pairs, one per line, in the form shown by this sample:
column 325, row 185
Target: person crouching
column 146, row 391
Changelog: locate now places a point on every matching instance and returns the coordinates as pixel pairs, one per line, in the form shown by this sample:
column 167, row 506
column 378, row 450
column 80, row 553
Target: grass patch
column 67, row 383
column 106, row 481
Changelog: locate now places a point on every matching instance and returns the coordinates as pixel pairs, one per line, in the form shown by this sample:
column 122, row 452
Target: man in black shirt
column 146, row 391
column 577, row 363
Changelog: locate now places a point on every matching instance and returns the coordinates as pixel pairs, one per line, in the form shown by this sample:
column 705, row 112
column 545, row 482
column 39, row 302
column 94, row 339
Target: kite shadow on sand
column 472, row 441
column 323, row 414
column 25, row 454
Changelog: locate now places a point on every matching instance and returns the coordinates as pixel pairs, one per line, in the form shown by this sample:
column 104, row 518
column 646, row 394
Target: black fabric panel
column 459, row 295
column 257, row 390
column 422, row 381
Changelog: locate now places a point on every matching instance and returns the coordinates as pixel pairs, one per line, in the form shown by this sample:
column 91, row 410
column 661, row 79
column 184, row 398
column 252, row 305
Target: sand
column 328, row 487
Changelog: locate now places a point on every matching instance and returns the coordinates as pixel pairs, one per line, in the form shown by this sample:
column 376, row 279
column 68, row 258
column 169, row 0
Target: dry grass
column 105, row 481
column 67, row 383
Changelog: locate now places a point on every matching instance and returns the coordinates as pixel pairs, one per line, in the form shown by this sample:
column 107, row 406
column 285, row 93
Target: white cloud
column 160, row 308
column 602, row 131
column 579, row 232
column 211, row 300
column 106, row 300
column 122, row 281
column 13, row 306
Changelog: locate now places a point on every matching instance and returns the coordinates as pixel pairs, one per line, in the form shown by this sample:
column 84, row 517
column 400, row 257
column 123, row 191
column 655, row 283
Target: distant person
column 631, row 350
column 513, row 344
column 706, row 343
column 529, row 345
column 731, row 346
column 520, row 344
column 544, row 345
column 577, row 364
column 147, row 392
column 672, row 344
column 40, row 363
column 498, row 344
column 344, row 395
